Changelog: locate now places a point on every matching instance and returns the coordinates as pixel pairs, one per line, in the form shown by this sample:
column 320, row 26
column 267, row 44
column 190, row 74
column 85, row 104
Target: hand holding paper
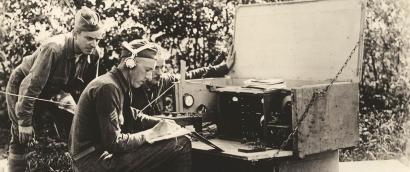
column 165, row 129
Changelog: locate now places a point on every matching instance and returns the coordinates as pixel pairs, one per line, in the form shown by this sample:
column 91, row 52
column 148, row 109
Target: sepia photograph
column 204, row 85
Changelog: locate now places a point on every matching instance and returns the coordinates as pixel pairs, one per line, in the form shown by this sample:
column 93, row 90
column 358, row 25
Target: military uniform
column 48, row 71
column 97, row 129
column 148, row 92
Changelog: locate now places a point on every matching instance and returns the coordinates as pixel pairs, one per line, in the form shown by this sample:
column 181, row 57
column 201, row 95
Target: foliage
column 49, row 154
column 189, row 30
column 199, row 32
column 196, row 31
column 384, row 88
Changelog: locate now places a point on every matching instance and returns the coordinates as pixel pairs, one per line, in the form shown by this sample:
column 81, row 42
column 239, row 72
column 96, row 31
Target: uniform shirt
column 148, row 92
column 102, row 108
column 49, row 70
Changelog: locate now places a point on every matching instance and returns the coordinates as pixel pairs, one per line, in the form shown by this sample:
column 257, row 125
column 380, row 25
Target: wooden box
column 304, row 43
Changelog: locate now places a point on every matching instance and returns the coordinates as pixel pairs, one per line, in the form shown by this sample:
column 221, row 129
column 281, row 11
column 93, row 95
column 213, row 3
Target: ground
column 373, row 166
column 357, row 166
column 400, row 165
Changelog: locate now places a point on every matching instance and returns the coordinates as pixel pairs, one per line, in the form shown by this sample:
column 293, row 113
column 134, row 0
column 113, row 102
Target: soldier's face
column 141, row 72
column 156, row 74
column 87, row 41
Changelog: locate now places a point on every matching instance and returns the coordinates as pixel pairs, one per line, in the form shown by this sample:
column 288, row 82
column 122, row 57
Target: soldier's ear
column 75, row 33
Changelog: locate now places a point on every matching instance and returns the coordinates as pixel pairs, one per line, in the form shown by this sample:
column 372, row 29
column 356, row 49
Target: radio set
column 311, row 111
column 251, row 105
column 262, row 118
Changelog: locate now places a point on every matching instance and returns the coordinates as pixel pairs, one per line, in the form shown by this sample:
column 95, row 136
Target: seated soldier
column 160, row 82
column 97, row 140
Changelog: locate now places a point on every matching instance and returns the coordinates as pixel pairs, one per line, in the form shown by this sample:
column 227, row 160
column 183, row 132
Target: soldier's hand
column 136, row 113
column 173, row 126
column 106, row 160
column 165, row 127
column 171, row 121
column 230, row 59
column 67, row 103
column 26, row 134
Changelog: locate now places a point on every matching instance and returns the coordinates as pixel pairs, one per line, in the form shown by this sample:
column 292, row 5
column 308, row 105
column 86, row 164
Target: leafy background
column 199, row 32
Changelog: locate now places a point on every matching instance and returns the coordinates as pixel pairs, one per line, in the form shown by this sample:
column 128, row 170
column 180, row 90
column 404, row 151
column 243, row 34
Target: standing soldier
column 62, row 63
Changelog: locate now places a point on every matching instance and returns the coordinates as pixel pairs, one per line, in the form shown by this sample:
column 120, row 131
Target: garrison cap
column 87, row 20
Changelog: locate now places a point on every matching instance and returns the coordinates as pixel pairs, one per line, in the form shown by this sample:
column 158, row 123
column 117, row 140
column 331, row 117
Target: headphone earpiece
column 130, row 62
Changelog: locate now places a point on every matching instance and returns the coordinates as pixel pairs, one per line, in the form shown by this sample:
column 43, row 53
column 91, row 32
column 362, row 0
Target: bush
column 194, row 31
column 384, row 88
column 199, row 31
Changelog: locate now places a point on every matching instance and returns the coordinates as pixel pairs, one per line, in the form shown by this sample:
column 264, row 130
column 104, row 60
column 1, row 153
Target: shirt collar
column 124, row 84
column 77, row 57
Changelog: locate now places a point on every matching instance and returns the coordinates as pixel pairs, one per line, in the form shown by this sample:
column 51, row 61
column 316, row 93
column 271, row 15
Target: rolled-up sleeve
column 108, row 108
column 206, row 72
column 33, row 84
column 203, row 72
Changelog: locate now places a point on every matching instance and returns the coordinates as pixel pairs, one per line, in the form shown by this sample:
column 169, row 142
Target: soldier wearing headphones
column 98, row 139
column 162, row 81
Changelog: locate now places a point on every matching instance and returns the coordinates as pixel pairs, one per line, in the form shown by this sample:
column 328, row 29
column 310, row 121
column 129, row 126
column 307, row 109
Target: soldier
column 161, row 81
column 63, row 62
column 97, row 140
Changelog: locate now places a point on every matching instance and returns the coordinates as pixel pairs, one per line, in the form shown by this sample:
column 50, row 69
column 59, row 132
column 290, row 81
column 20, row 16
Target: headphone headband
column 134, row 52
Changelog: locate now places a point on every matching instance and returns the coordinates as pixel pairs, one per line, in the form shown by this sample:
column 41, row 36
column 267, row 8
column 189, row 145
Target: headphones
column 130, row 62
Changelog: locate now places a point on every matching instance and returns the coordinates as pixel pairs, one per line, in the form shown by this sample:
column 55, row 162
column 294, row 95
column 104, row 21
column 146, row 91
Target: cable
column 35, row 98
column 159, row 96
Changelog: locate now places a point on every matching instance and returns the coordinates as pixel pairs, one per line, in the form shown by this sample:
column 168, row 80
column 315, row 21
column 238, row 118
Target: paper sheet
column 177, row 133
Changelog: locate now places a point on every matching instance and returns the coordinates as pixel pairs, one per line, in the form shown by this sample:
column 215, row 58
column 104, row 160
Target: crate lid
column 302, row 40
